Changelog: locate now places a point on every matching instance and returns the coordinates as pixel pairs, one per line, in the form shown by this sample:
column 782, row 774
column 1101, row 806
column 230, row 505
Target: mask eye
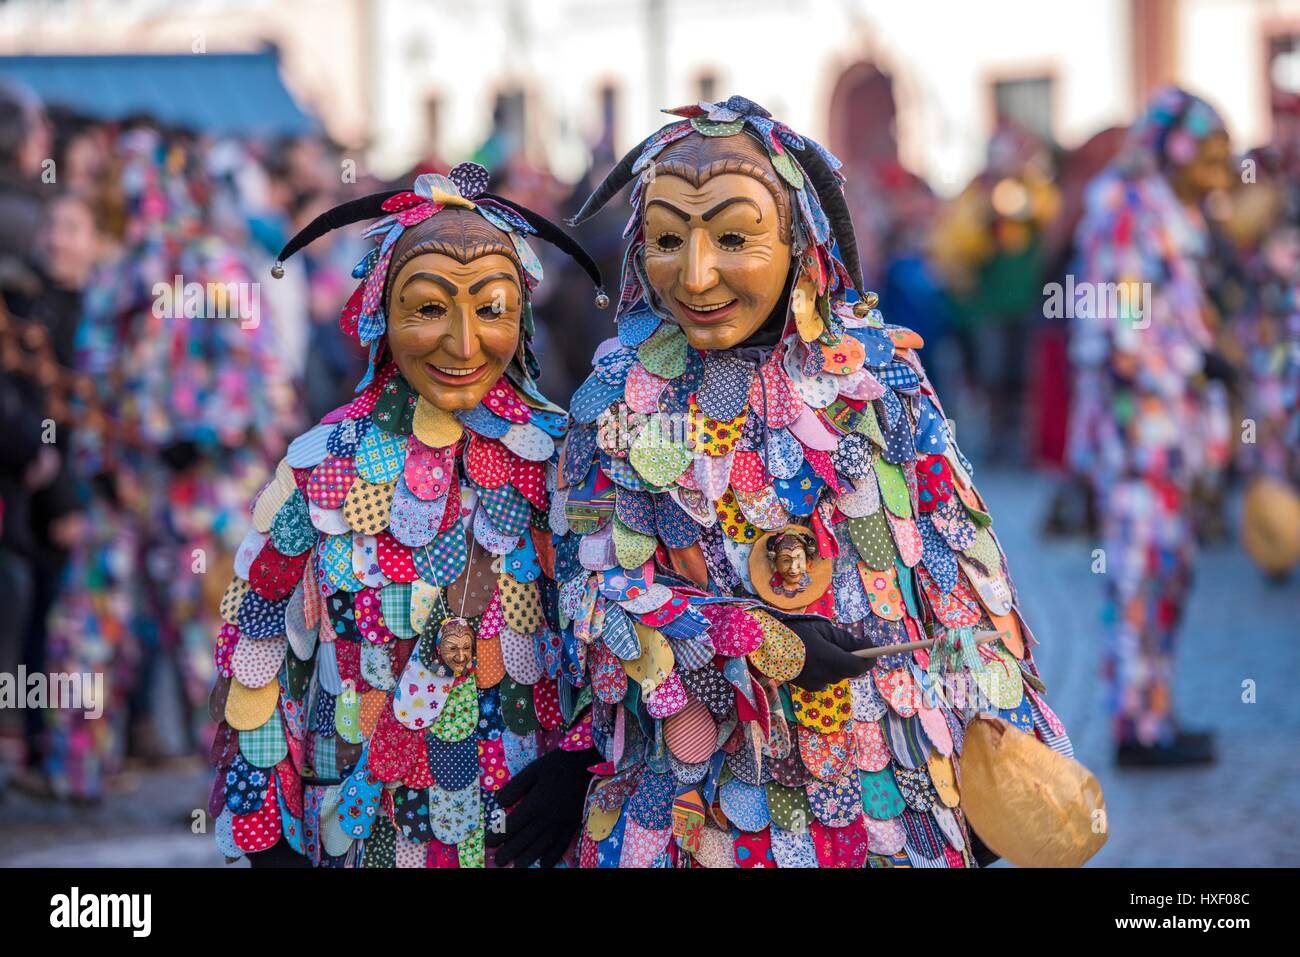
column 731, row 241
column 669, row 242
column 432, row 310
column 488, row 312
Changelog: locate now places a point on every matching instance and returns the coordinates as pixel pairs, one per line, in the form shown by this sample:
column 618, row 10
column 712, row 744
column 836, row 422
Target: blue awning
column 217, row 92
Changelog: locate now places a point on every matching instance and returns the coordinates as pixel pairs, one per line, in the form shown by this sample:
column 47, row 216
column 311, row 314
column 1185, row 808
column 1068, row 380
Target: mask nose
column 701, row 273
column 461, row 341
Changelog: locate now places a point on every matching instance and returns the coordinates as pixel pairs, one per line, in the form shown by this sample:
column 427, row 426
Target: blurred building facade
column 405, row 80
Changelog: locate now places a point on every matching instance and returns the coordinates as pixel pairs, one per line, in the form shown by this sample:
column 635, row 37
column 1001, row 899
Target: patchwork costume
column 1260, row 295
column 677, row 465
column 198, row 399
column 1145, row 423
column 392, row 530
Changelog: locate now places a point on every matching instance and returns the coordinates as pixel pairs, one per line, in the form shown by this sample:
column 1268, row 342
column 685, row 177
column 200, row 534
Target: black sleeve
column 20, row 426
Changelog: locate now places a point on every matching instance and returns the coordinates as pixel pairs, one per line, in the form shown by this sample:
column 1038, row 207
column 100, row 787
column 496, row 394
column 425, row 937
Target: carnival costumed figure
column 1149, row 417
column 195, row 398
column 757, row 483
column 1260, row 295
column 390, row 657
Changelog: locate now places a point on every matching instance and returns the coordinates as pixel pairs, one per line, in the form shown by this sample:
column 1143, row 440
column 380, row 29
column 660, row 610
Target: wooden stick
column 981, row 638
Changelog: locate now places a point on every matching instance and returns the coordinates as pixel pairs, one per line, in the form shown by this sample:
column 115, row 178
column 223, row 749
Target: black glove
column 545, row 808
column 980, row 851
column 827, row 659
column 278, row 855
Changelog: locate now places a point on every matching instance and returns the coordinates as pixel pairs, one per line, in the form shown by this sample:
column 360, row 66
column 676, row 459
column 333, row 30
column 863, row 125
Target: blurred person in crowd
column 70, row 247
column 180, row 348
column 1147, row 418
column 251, row 208
column 28, row 463
column 911, row 284
column 988, row 247
column 25, row 147
column 583, row 323
column 1073, row 508
column 310, row 164
column 535, row 187
column 81, row 148
column 894, row 212
column 1256, row 290
column 332, row 362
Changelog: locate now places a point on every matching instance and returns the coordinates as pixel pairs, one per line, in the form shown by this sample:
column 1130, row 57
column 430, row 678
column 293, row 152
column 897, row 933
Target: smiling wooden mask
column 445, row 292
column 455, row 304
column 718, row 237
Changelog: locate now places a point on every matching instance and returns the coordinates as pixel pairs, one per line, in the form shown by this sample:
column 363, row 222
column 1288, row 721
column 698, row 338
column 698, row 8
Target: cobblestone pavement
column 1239, row 812
column 145, row 822
column 1243, row 811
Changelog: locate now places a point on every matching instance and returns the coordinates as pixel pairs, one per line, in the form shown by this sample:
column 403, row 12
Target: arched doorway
column 861, row 133
column 862, row 117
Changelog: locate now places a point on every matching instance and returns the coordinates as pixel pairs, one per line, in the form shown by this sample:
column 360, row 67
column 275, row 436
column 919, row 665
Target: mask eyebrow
column 686, row 217
column 730, row 201
column 492, row 278
column 442, row 281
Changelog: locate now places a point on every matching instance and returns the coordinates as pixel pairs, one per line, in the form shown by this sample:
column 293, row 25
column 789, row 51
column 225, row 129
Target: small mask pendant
column 456, row 645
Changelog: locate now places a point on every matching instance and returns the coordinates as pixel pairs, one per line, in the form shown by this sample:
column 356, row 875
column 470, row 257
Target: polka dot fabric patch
column 664, row 353
column 428, row 471
column 505, row 402
column 367, row 506
column 435, row 427
column 881, row 799
column 781, row 655
column 733, row 631
column 724, row 392
column 331, row 481
column 872, row 538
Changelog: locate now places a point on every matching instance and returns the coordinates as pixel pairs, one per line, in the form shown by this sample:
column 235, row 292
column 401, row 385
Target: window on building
column 1284, row 71
column 1026, row 102
column 608, row 111
column 706, row 87
column 432, row 109
column 508, row 118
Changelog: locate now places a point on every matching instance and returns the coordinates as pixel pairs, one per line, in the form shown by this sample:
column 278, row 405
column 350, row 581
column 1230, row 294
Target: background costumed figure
column 390, row 655
column 1149, row 421
column 199, row 401
column 749, row 399
column 1257, row 289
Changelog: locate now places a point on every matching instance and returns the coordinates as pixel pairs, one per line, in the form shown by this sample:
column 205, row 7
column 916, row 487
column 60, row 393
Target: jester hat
column 465, row 187
column 811, row 173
